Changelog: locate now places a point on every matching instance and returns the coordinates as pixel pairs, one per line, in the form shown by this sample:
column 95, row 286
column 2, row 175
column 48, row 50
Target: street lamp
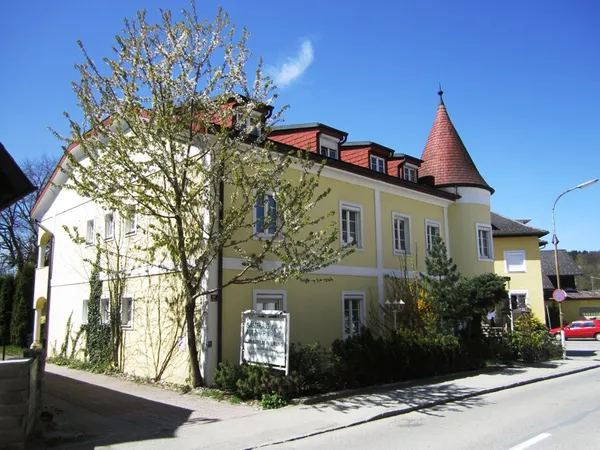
column 555, row 242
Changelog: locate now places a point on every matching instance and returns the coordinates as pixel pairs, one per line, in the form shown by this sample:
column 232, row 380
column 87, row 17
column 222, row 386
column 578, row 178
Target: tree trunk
column 192, row 345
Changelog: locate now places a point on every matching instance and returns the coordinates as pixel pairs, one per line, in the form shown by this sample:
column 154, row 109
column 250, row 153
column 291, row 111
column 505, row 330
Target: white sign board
column 265, row 339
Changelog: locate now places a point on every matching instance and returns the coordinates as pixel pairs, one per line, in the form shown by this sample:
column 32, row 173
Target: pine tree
column 7, row 292
column 440, row 283
column 21, row 320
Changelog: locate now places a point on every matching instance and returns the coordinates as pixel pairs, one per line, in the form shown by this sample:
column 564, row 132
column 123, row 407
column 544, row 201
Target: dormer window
column 252, row 122
column 329, row 152
column 328, row 146
column 410, row 174
column 377, row 163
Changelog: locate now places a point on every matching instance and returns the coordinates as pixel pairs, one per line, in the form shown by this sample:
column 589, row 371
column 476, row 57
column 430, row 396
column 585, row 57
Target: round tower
column 447, row 161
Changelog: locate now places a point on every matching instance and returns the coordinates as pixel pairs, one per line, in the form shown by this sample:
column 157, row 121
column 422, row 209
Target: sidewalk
column 250, row 428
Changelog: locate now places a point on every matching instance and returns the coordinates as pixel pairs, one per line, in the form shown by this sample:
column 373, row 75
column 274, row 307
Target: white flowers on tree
column 177, row 131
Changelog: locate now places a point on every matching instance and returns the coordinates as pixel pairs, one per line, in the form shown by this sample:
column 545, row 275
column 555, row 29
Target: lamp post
column 555, row 242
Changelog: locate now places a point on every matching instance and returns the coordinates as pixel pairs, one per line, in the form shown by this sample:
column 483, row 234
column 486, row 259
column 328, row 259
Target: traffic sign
column 559, row 295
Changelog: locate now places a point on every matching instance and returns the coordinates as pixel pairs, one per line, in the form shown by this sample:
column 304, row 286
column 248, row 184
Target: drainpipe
column 50, row 266
column 220, row 280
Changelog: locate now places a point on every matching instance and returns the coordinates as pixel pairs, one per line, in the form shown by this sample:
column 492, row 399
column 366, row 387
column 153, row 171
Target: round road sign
column 559, row 295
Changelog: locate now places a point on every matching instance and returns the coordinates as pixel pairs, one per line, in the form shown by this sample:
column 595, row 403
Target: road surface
column 554, row 414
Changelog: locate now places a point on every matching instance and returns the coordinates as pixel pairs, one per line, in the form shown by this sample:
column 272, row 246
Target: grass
column 12, row 350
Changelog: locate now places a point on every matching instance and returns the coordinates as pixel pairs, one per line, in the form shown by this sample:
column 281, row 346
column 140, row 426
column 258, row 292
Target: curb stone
column 426, row 405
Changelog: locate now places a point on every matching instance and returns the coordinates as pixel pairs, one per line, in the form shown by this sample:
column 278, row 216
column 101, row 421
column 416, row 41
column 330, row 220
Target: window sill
column 109, row 239
column 358, row 249
column 516, row 271
column 486, row 259
column 131, row 233
column 402, row 253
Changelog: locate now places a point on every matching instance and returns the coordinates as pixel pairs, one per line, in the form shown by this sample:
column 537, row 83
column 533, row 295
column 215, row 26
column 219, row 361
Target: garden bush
column 532, row 342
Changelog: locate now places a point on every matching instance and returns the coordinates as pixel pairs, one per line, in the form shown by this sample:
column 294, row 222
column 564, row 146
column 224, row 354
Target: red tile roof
column 446, row 158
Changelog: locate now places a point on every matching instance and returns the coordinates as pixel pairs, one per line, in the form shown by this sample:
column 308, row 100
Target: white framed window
column 351, row 225
column 105, row 310
column 377, row 163
column 109, row 225
column 409, row 173
column 484, row 242
column 84, row 311
column 329, row 152
column 252, row 123
column 514, row 261
column 328, row 146
column 269, row 300
column 127, row 312
column 89, row 232
column 353, row 312
column 432, row 229
column 130, row 220
column 265, row 215
column 519, row 299
column 401, row 233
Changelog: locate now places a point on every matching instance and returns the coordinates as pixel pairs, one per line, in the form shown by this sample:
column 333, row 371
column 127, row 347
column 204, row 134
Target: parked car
column 580, row 329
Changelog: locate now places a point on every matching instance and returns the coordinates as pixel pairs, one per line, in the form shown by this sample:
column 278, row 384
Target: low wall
column 20, row 398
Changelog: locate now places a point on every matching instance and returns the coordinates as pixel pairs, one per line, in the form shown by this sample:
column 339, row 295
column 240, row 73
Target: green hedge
column 361, row 360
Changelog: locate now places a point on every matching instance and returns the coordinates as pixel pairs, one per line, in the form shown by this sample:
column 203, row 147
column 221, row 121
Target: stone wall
column 20, row 398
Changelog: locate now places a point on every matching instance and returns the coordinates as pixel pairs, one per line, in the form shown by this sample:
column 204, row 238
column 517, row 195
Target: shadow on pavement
column 409, row 397
column 581, row 353
column 81, row 415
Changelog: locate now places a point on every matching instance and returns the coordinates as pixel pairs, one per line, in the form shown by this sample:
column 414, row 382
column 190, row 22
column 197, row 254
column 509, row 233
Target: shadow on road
column 81, row 415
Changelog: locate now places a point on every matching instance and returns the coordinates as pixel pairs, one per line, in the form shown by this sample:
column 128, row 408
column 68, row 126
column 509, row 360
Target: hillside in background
column 590, row 264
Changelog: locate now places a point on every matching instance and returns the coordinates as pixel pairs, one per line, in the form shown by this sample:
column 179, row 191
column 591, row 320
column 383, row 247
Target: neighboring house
column 578, row 304
column 14, row 185
column 387, row 205
column 517, row 256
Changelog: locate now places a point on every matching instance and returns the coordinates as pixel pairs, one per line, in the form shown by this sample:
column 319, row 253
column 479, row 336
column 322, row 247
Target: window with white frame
column 519, row 300
column 351, row 226
column 265, row 211
column 484, row 242
column 432, row 229
column 89, row 232
column 127, row 312
column 401, row 233
column 329, row 152
column 377, row 163
column 130, row 220
column 410, row 174
column 84, row 311
column 109, row 225
column 328, row 146
column 353, row 305
column 105, row 310
column 514, row 261
column 269, row 300
column 252, row 123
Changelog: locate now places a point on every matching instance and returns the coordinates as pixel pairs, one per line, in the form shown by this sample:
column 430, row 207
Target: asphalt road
column 554, row 414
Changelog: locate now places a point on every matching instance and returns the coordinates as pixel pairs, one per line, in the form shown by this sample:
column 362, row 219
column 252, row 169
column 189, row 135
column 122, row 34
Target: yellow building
column 517, row 257
column 387, row 206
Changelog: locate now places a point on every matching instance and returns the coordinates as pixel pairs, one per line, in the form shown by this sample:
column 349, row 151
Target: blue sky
column 521, row 82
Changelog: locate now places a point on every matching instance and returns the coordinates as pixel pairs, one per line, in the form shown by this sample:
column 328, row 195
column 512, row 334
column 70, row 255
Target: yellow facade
column 572, row 309
column 316, row 309
column 463, row 219
column 527, row 281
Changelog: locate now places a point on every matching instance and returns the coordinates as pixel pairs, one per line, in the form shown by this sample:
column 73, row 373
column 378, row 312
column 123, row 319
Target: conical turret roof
column 445, row 156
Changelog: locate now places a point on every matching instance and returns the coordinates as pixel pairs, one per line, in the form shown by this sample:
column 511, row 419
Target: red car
column 586, row 328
